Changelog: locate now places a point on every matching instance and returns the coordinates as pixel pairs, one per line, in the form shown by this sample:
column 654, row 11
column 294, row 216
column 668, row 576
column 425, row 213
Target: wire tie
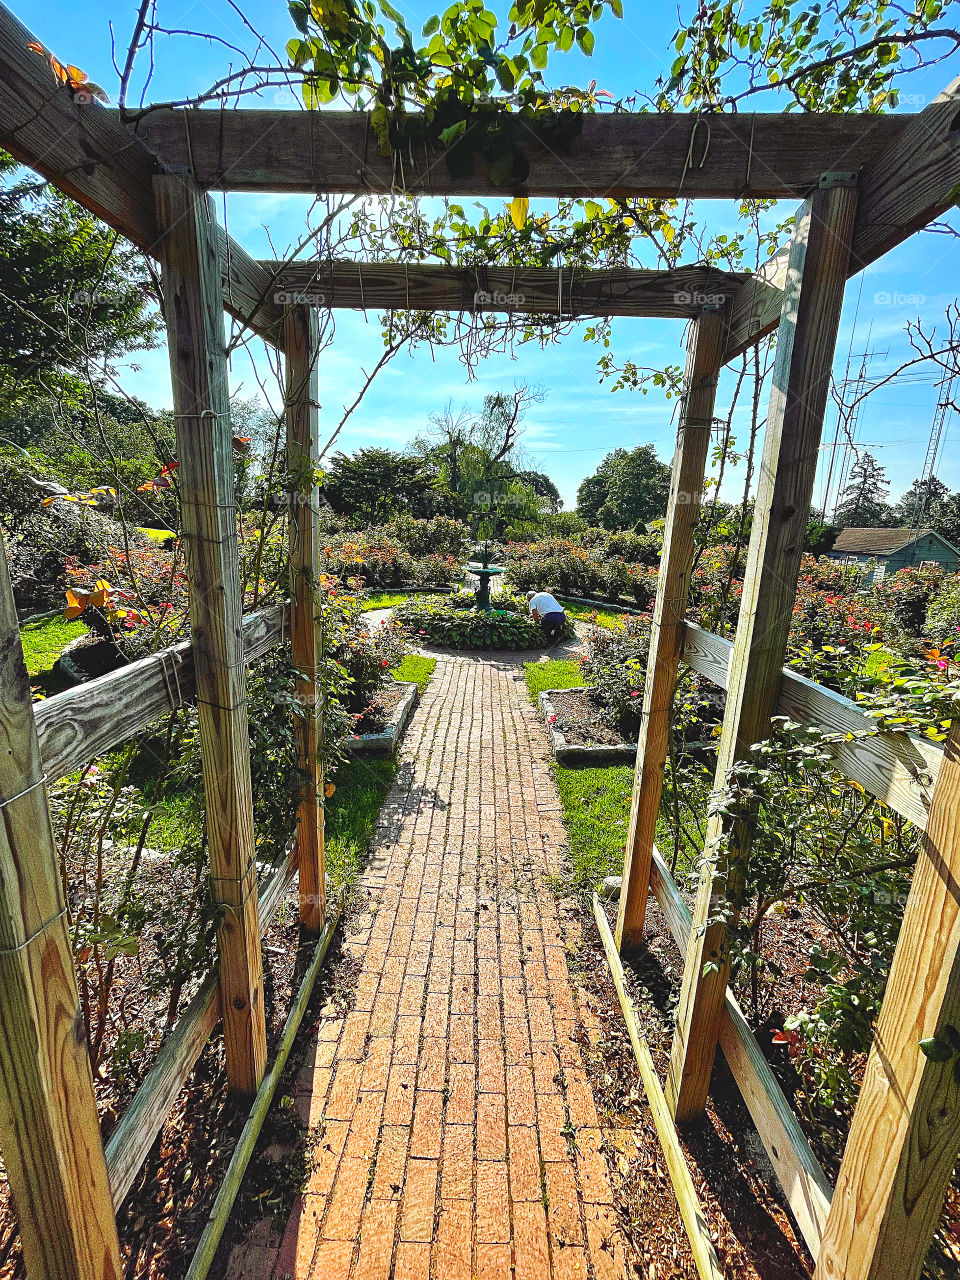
column 10, row 951
column 25, row 792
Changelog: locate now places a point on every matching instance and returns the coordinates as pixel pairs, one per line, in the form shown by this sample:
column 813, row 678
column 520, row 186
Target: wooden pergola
column 866, row 183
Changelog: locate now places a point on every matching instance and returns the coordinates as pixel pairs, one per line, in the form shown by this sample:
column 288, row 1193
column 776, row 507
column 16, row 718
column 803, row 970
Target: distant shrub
column 449, row 623
column 906, row 596
column 942, row 622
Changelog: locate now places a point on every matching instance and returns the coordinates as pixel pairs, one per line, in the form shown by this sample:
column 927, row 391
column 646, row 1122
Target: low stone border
column 385, row 743
column 570, row 752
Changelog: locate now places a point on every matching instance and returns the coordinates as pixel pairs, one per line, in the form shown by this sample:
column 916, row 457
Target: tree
column 628, row 489
column 543, row 487
column 372, row 485
column 75, row 295
column 918, row 506
column 863, row 502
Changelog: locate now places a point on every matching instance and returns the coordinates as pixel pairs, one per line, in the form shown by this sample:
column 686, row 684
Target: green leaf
column 431, row 25
column 935, row 1049
column 585, row 40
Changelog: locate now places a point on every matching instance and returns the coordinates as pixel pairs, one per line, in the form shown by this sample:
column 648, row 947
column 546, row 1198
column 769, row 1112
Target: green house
column 890, row 550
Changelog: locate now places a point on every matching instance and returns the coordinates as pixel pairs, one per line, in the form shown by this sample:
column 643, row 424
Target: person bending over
column 548, row 612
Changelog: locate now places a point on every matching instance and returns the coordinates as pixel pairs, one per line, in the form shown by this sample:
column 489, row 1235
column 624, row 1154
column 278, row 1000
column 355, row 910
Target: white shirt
column 544, row 603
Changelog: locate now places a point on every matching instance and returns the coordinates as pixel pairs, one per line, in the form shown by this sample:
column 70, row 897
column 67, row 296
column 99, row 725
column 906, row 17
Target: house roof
column 879, row 542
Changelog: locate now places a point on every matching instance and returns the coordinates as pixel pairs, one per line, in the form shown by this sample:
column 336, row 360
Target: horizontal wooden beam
column 76, row 726
column 86, row 152
column 805, row 1185
column 129, row 1144
column 897, row 768
column 335, row 152
column 553, row 291
column 757, row 306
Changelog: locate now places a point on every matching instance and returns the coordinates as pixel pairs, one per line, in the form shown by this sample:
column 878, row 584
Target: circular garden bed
column 453, row 622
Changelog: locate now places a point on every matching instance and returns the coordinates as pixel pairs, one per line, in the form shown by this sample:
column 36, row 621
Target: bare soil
column 579, row 719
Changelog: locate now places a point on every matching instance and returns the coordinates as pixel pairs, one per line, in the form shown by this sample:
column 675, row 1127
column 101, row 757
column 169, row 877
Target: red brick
column 491, row 1126
column 300, row 1238
column 462, row 997
column 350, row 1045
column 452, row 1248
column 524, row 1164
column 391, row 1162
column 412, row 1261
column 494, row 1262
column 376, row 1241
column 376, row 1065
column 332, row 1259
column 569, row 1263
column 398, row 1107
column 580, row 1104
column 419, row 1200
column 346, row 1200
column 427, row 1125
column 344, row 1091
column 551, row 1123
column 433, row 1064
column 490, row 1072
column 462, row 1102
column 435, row 1014
column 328, row 1152
column 365, row 1127
column 384, row 1015
column 456, row 1175
column 461, row 1039
column 530, row 1242
column 563, row 1203
column 406, row 1045
column 521, row 1106
column 493, row 1203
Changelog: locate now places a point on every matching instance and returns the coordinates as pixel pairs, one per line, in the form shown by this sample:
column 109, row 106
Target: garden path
column 458, row 1135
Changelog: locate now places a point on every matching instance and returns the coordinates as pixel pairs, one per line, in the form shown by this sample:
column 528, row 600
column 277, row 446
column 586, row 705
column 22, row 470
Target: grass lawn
column 415, row 668
column 157, row 535
column 383, row 600
column 44, row 641
column 351, row 814
column 555, row 674
column 602, row 617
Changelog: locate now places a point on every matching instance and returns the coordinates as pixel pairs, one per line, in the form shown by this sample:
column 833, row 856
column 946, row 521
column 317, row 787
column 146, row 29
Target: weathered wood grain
column 86, row 152
column 898, row 768
column 805, row 1185
column 691, row 1211
column 704, row 353
column 904, row 1139
column 129, row 1144
column 48, row 1113
column 819, row 255
column 755, row 310
column 720, row 156
column 302, row 410
column 190, row 262
column 910, row 182
column 79, row 724
column 564, row 291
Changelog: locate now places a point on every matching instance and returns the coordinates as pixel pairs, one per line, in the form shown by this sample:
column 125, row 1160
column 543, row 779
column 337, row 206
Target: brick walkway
column 459, row 1136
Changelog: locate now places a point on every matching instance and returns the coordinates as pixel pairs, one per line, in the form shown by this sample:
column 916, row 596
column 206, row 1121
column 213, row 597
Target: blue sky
column 580, row 420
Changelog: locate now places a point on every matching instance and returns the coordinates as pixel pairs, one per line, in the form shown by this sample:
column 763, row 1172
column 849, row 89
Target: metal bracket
column 838, row 178
column 709, row 307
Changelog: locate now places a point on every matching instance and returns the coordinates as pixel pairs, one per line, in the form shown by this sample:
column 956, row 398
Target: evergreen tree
column 863, row 503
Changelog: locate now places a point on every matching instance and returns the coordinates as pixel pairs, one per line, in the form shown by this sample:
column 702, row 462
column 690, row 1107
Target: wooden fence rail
column 76, row 726
column 898, row 768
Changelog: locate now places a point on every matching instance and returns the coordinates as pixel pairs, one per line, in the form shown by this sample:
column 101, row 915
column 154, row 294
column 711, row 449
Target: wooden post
column 905, row 1136
column 49, row 1130
column 813, row 298
column 303, row 455
column 190, row 260
column 704, row 356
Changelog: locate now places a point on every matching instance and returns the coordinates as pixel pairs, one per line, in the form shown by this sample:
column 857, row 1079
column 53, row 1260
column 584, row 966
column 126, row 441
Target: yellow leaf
column 329, row 789
column 518, row 211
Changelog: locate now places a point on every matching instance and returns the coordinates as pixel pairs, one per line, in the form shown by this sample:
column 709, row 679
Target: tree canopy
column 628, row 489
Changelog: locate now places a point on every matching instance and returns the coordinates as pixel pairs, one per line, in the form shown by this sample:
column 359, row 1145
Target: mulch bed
column 379, row 712
column 745, row 1209
column 579, row 719
column 163, row 1215
column 752, row 1232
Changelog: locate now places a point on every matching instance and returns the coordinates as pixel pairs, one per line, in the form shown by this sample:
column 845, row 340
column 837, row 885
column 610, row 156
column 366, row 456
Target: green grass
column 351, row 814
column 556, row 674
column 44, row 641
column 415, row 668
column 157, row 535
column 383, row 600
column 596, row 810
column 602, row 617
